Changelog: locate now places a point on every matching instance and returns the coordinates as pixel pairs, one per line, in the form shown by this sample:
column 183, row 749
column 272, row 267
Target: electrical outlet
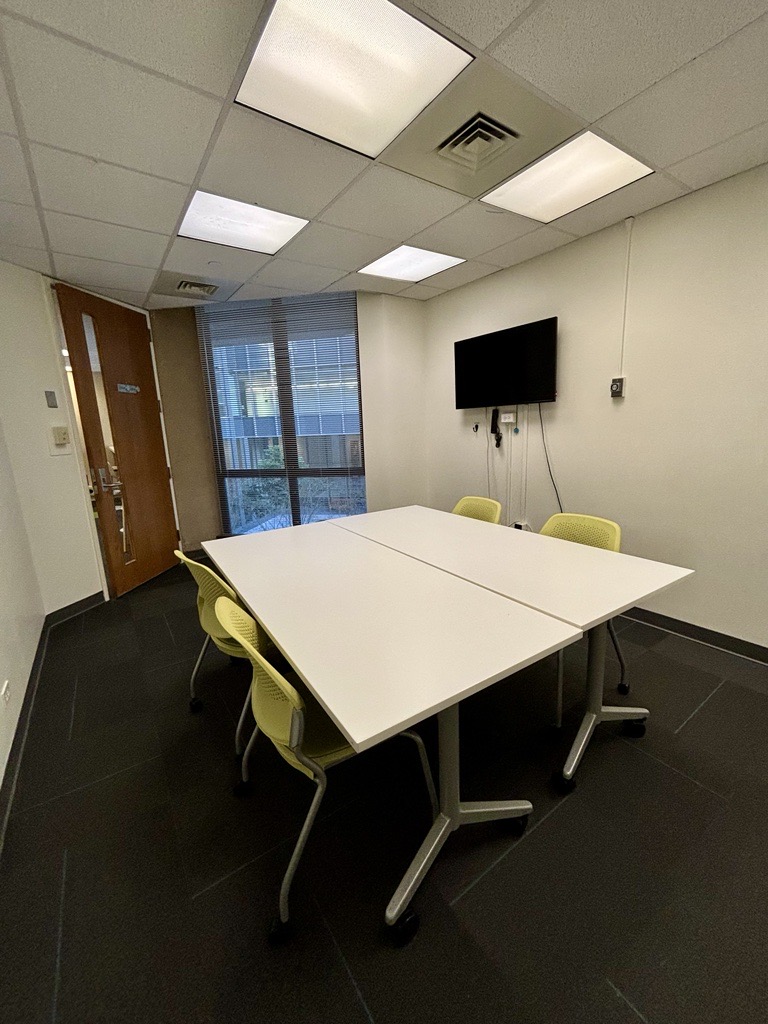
column 521, row 524
column 509, row 417
column 5, row 691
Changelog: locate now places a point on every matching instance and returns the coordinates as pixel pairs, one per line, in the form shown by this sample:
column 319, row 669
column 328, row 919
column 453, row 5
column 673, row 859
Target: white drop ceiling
column 113, row 115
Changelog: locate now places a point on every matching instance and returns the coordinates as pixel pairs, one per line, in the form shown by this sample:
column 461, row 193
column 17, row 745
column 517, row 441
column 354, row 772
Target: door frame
column 74, row 415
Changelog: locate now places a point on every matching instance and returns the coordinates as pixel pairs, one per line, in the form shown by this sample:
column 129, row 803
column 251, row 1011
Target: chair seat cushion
column 323, row 742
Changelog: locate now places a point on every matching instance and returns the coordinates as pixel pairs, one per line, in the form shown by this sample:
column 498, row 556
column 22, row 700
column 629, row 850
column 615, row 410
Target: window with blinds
column 283, row 391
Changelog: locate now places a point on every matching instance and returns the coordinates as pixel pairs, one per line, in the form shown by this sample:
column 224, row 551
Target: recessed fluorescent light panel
column 241, row 225
column 352, row 71
column 584, row 169
column 409, row 264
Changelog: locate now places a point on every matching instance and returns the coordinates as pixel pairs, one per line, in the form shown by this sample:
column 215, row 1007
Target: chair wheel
column 280, row 932
column 404, row 928
column 623, row 688
column 242, row 789
column 562, row 785
column 633, row 727
column 195, row 705
column 517, row 826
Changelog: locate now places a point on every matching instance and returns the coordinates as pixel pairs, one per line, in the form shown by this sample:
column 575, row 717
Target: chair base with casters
column 303, row 734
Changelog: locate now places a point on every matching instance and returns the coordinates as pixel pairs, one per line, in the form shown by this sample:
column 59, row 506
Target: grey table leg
column 453, row 813
column 596, row 711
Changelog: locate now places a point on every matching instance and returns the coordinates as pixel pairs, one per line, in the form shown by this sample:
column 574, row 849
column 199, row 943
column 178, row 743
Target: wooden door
column 109, row 351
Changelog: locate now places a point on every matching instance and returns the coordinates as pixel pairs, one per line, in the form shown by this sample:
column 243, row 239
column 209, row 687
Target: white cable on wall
column 524, row 473
column 629, row 224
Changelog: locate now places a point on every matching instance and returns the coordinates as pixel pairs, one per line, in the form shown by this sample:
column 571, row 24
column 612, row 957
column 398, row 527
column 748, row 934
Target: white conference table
column 575, row 583
column 384, row 640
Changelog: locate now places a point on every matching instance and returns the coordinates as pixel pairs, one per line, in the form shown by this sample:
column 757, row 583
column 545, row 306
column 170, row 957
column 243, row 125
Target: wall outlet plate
column 617, row 387
column 509, row 417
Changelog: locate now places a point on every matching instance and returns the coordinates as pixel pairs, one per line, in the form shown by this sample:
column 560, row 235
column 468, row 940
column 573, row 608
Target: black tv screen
column 510, row 367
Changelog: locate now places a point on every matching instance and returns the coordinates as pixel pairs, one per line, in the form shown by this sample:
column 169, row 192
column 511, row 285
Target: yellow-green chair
column 486, row 509
column 597, row 533
column 210, row 587
column 301, row 731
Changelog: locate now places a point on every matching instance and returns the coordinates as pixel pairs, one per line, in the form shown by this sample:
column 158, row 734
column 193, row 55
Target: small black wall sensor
column 617, row 387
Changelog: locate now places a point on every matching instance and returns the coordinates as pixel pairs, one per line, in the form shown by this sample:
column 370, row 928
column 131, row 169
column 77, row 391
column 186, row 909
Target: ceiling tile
column 595, row 54
column 20, row 225
column 326, row 246
column 205, row 259
column 21, row 256
column 199, row 43
column 472, row 230
column 101, row 274
column 722, row 93
column 421, row 291
column 7, row 120
column 78, row 236
column 368, row 283
column 14, row 180
column 742, row 152
column 641, row 195
column 464, row 273
column 131, row 297
column 298, row 277
column 253, row 290
column 391, row 204
column 107, row 109
column 537, row 242
column 85, row 187
column 170, row 302
column 480, row 23
column 259, row 160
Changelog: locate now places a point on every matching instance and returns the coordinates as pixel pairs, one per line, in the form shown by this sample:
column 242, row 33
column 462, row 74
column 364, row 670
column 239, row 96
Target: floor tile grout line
column 641, row 750
column 347, row 968
column 696, row 711
column 72, row 715
column 632, row 1006
column 86, row 785
column 241, row 867
column 59, row 938
column 509, row 849
column 288, row 839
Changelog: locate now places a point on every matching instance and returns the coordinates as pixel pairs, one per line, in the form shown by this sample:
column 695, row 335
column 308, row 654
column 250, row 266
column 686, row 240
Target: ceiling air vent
column 477, row 143
column 197, row 289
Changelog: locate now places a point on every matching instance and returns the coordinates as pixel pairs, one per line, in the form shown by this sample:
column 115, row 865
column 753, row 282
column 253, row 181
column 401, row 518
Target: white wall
column 21, row 604
column 392, row 380
column 50, row 487
column 682, row 462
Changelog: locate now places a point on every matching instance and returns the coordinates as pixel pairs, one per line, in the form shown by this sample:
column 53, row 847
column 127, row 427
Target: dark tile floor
column 135, row 888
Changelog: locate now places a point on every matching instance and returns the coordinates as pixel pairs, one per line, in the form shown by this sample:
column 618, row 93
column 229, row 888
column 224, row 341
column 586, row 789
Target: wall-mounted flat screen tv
column 510, row 367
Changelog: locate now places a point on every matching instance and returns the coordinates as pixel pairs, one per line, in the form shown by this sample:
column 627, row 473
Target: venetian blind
column 283, row 393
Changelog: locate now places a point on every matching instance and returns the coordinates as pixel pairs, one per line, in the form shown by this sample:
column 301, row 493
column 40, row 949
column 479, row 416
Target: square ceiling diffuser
column 584, row 169
column 407, row 263
column 352, row 71
column 213, row 218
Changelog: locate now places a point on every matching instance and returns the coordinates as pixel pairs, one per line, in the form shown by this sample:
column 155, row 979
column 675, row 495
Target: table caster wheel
column 404, row 928
column 195, row 705
column 517, row 826
column 242, row 789
column 634, row 728
column 562, row 785
column 623, row 689
column 280, row 932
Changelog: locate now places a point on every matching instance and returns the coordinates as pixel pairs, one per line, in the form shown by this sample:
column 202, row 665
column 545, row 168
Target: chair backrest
column 210, row 588
column 277, row 705
column 478, row 508
column 591, row 530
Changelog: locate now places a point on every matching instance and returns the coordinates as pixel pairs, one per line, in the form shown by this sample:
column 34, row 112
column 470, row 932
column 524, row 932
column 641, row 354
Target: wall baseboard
column 731, row 644
column 10, row 777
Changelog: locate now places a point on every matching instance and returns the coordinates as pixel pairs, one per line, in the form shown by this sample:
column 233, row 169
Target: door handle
column 108, row 485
